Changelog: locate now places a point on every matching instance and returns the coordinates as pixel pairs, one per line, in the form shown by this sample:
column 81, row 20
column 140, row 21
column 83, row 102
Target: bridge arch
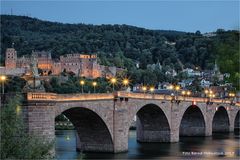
column 92, row 131
column 192, row 122
column 152, row 124
column 237, row 123
column 220, row 122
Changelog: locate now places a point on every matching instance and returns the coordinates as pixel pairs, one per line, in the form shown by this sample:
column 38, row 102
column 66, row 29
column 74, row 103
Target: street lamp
column 125, row 82
column 152, row 89
column 82, row 82
column 3, row 78
column 206, row 92
column 171, row 87
column 188, row 93
column 144, row 88
column 183, row 93
column 94, row 86
column 177, row 88
column 113, row 81
column 232, row 95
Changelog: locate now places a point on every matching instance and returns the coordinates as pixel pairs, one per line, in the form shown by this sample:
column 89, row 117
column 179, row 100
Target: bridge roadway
column 102, row 121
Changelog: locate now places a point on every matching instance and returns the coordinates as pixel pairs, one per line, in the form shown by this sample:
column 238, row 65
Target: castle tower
column 11, row 58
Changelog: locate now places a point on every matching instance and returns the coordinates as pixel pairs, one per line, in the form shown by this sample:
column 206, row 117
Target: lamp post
column 183, row 94
column 94, row 86
column 3, row 78
column 188, row 93
column 125, row 82
column 144, row 88
column 113, row 82
column 206, row 92
column 152, row 89
column 82, row 82
column 232, row 95
column 177, row 88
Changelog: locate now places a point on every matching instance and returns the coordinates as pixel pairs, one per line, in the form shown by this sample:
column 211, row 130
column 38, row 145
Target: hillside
column 123, row 45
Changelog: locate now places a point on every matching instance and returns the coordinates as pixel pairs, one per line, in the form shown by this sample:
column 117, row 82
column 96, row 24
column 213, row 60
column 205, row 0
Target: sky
column 190, row 16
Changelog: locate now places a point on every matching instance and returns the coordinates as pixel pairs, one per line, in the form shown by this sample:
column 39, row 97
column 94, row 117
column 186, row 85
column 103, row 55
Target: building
column 83, row 65
column 11, row 58
column 192, row 73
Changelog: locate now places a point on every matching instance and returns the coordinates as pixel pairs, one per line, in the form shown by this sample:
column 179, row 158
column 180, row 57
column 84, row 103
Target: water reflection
column 213, row 147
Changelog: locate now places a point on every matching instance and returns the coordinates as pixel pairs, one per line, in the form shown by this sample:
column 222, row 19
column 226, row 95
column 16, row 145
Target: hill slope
column 122, row 45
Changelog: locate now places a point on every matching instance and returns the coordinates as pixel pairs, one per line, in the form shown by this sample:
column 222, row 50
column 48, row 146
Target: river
column 218, row 146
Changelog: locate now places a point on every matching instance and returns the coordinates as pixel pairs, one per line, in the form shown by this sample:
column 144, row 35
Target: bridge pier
column 120, row 127
column 39, row 119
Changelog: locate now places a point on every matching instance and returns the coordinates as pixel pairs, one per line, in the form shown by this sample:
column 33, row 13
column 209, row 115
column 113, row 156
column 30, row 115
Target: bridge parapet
column 120, row 94
column 169, row 97
column 41, row 96
column 67, row 97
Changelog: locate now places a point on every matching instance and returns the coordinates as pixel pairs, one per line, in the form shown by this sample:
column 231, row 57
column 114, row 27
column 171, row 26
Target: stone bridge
column 102, row 121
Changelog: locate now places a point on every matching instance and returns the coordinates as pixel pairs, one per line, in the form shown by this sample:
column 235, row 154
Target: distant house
column 171, row 72
column 209, row 34
column 186, row 82
column 204, row 83
column 192, row 73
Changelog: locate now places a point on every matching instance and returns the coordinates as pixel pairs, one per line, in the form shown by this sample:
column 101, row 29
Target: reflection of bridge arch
column 193, row 122
column 94, row 130
column 152, row 124
column 220, row 122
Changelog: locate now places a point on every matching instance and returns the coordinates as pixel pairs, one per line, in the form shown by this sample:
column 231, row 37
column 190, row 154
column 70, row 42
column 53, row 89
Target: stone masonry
column 102, row 125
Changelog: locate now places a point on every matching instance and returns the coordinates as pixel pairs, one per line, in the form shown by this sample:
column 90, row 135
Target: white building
column 204, row 83
column 192, row 73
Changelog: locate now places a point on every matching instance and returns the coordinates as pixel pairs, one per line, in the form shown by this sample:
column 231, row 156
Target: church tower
column 216, row 68
column 11, row 58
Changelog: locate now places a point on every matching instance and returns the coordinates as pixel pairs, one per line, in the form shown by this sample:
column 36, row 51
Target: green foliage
column 123, row 46
column 15, row 142
column 72, row 85
column 14, row 84
column 228, row 55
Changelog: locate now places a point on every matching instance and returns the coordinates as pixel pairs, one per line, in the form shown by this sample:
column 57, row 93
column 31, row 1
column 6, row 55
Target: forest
column 124, row 46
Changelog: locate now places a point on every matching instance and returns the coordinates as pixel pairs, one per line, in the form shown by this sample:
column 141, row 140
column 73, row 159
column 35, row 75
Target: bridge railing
column 38, row 96
column 67, row 97
column 84, row 97
column 41, row 96
column 169, row 97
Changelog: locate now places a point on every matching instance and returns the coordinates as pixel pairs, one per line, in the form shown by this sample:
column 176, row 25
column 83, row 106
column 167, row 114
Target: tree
column 15, row 142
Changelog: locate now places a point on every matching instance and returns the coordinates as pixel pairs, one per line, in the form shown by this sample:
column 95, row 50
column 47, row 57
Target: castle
column 83, row 65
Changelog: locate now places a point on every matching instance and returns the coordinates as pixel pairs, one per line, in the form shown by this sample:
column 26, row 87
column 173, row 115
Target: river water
column 218, row 146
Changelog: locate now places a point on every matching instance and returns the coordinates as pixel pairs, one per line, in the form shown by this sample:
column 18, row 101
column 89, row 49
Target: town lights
column 94, row 86
column 188, row 93
column 3, row 78
column 113, row 82
column 82, row 82
column 231, row 94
